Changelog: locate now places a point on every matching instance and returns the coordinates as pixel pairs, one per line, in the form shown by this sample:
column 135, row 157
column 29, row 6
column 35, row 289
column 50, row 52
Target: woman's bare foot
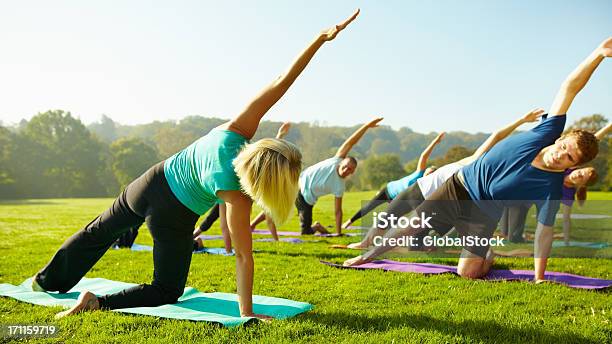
column 357, row 246
column 87, row 301
column 36, row 286
column 318, row 227
column 356, row 261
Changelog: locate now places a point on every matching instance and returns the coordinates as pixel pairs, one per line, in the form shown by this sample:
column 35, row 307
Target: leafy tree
column 380, row 169
column 106, row 129
column 454, row 154
column 590, row 123
column 7, row 175
column 72, row 154
column 131, row 157
column 168, row 141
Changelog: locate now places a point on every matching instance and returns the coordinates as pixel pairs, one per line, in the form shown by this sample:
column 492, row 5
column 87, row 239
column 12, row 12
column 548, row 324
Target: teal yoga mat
column 558, row 243
column 193, row 305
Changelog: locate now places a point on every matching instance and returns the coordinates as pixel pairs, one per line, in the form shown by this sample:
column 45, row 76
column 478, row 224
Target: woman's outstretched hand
column 533, row 115
column 374, row 123
column 605, row 47
column 331, row 33
column 283, row 130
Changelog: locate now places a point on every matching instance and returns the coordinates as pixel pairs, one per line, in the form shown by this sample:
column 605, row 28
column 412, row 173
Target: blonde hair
column 269, row 170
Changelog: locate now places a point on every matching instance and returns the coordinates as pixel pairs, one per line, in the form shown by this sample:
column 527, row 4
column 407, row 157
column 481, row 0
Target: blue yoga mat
column 214, row 250
column 560, row 243
column 209, row 250
column 193, row 305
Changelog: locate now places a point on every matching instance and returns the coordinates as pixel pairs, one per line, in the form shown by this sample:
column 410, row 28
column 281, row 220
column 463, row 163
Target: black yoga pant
column 128, row 238
column 171, row 224
column 512, row 222
column 381, row 197
column 305, row 213
column 212, row 216
column 406, row 201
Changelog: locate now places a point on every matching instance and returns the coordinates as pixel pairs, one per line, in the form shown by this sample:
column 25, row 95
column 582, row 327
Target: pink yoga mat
column 573, row 281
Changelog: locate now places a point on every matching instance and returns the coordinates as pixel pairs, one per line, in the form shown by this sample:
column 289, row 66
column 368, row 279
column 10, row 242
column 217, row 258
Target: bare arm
column 247, row 121
column 422, row 164
column 227, row 239
column 238, row 208
column 541, row 250
column 601, row 133
column 576, row 81
column 338, row 213
column 353, row 139
column 501, row 134
column 283, row 130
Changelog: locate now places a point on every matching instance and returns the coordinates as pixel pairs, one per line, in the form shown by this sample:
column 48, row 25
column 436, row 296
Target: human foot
column 87, row 301
column 357, row 246
column 318, row 227
column 36, row 286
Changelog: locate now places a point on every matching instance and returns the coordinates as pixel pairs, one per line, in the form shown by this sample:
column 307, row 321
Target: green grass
column 350, row 306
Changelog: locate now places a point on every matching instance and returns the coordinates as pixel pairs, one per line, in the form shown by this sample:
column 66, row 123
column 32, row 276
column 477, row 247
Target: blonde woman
column 214, row 214
column 220, row 167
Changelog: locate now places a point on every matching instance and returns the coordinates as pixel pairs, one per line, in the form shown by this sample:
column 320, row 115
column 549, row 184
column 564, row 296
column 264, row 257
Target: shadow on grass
column 487, row 331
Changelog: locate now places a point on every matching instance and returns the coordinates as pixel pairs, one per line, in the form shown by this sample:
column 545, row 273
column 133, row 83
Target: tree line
column 55, row 155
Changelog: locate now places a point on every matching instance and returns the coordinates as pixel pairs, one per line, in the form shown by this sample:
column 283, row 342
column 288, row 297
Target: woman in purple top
column 575, row 182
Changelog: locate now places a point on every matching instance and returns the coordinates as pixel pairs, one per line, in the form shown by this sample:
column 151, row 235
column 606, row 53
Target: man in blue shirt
column 525, row 167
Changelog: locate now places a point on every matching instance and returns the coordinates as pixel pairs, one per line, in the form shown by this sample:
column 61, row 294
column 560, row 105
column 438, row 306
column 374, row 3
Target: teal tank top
column 196, row 173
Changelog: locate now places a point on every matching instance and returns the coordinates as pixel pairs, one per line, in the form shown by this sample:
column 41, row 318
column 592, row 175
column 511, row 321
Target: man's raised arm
column 576, row 81
column 353, row 139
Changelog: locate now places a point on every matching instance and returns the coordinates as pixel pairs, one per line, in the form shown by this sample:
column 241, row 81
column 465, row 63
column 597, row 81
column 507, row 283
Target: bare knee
column 472, row 267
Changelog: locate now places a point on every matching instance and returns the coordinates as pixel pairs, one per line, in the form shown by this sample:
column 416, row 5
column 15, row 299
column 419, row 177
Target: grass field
column 350, row 306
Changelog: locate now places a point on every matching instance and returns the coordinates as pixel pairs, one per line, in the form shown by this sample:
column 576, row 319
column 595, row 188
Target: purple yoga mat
column 290, row 240
column 574, row 281
column 285, row 233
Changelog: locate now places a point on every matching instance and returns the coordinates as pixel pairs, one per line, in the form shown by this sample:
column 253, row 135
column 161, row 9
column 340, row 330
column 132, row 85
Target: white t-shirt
column 321, row 179
column 432, row 182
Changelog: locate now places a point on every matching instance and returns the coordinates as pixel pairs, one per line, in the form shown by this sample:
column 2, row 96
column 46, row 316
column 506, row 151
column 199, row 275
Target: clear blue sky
column 430, row 66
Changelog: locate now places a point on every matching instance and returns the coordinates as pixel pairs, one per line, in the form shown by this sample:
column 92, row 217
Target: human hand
column 330, row 34
column 606, row 47
column 533, row 115
column 283, row 130
column 374, row 123
column 439, row 137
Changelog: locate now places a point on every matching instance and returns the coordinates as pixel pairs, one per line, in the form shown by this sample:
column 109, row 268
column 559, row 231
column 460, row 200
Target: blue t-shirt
column 196, row 173
column 395, row 187
column 321, row 179
column 504, row 175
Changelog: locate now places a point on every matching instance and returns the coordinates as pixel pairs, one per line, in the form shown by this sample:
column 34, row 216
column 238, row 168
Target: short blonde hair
column 269, row 170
